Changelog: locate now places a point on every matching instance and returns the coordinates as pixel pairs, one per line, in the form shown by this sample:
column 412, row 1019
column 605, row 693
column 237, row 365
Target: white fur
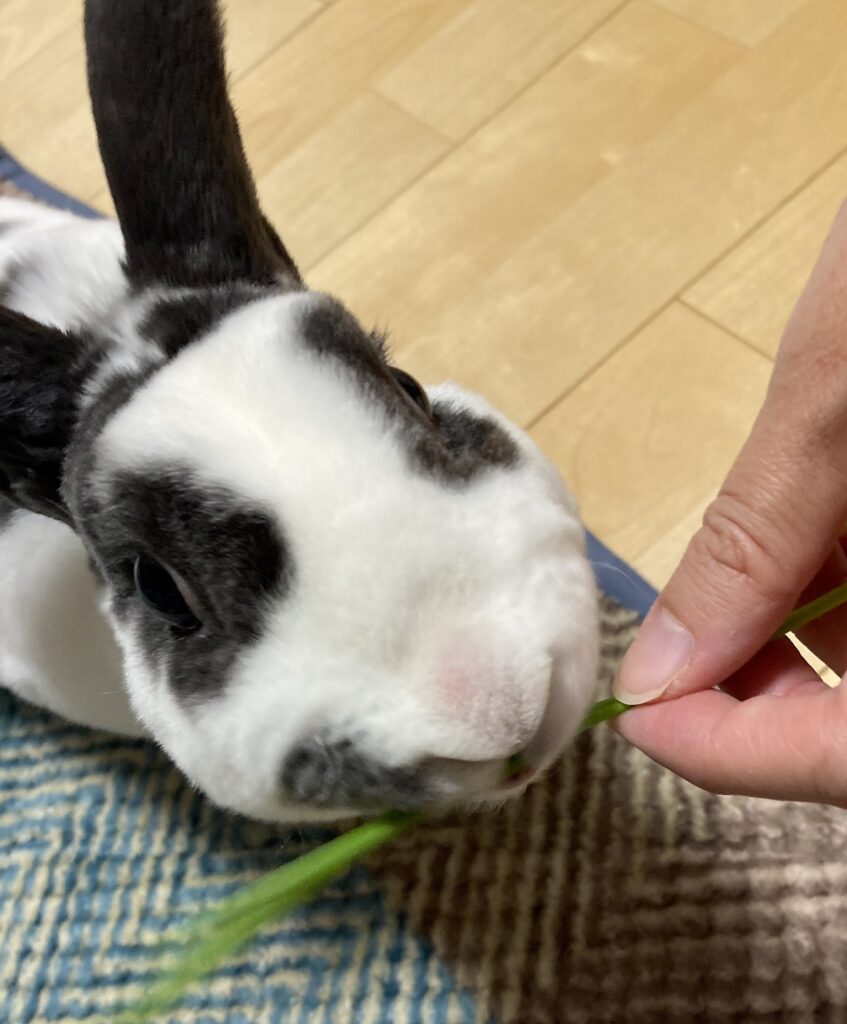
column 41, row 249
column 408, row 592
column 56, row 649
column 65, row 271
column 430, row 623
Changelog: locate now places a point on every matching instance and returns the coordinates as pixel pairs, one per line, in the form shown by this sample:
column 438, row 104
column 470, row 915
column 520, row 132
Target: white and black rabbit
column 228, row 523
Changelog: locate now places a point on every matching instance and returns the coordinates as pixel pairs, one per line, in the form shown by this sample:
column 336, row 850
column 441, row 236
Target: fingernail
column 659, row 652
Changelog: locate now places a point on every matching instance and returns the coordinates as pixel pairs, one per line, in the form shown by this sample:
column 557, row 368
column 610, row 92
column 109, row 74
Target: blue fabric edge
column 617, row 579
column 614, row 577
column 18, row 175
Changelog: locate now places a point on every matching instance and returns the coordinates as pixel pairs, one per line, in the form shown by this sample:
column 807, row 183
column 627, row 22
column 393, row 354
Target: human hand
column 770, row 540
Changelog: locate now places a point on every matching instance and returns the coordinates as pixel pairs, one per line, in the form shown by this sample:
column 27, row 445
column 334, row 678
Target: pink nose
column 494, row 703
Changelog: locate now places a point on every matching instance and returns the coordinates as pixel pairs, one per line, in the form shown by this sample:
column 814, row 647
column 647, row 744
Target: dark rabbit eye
column 161, row 593
column 412, row 388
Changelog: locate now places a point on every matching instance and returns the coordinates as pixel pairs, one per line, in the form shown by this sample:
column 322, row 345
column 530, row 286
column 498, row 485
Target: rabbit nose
column 491, row 703
column 327, row 771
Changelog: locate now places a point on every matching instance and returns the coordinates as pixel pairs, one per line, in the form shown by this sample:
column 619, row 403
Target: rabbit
column 228, row 523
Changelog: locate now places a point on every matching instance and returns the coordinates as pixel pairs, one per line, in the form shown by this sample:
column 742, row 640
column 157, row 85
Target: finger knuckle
column 733, row 541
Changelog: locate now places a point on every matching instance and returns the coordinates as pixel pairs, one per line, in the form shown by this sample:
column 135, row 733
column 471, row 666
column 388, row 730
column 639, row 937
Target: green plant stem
column 603, row 711
column 221, row 933
column 807, row 613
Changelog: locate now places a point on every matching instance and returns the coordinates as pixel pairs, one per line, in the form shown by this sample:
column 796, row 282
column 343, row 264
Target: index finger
column 781, row 747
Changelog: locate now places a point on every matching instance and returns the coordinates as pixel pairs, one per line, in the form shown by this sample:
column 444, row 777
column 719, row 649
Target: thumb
column 763, row 538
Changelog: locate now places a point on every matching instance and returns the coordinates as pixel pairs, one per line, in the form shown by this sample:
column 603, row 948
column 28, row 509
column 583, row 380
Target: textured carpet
column 611, row 893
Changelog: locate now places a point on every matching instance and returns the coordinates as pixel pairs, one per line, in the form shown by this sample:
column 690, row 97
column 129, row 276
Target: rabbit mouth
column 458, row 781
column 495, row 781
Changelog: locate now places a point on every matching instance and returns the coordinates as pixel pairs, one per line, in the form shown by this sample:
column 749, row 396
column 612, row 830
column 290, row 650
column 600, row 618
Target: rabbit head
column 334, row 590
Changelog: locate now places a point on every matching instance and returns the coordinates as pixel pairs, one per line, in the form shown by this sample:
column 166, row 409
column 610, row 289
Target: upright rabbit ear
column 41, row 379
column 171, row 147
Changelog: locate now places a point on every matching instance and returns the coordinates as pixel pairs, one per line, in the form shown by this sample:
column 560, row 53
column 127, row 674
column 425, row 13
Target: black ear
column 41, row 379
column 171, row 146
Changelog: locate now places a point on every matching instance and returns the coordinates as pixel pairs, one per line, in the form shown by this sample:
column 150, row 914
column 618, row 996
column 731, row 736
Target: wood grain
column 664, row 418
column 470, row 260
column 24, row 29
column 745, row 21
column 296, row 90
column 484, row 56
column 345, row 172
column 530, row 328
column 752, row 290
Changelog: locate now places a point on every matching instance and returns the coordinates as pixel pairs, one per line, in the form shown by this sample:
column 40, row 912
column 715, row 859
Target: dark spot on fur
column 177, row 320
column 331, row 332
column 42, row 374
column 454, row 445
column 230, row 553
column 472, row 443
column 325, row 772
column 114, row 393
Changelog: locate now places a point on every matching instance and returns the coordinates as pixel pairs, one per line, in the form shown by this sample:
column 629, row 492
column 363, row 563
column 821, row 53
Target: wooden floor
column 598, row 213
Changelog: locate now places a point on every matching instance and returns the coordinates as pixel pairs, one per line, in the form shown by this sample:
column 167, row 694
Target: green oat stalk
column 221, row 933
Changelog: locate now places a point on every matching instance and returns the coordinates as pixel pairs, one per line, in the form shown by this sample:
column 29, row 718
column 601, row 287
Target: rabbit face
column 331, row 592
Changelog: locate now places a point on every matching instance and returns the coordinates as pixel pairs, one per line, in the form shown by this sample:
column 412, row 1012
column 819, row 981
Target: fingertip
column 660, row 651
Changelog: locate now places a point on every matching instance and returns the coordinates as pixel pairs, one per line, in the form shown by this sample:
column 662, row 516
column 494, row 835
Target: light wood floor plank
column 427, row 264
column 478, row 61
column 746, row 21
column 28, row 25
column 254, row 33
column 557, row 305
column 303, row 84
column 344, row 173
column 648, row 438
column 46, row 121
column 753, row 289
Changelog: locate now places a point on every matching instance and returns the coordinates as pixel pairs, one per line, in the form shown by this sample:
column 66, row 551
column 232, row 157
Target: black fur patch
column 230, row 554
column 453, row 445
column 175, row 321
column 114, row 393
column 467, row 445
column 171, row 146
column 42, row 373
column 323, row 772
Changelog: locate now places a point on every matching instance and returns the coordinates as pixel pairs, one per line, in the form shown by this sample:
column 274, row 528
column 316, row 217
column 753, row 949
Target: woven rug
column 612, row 893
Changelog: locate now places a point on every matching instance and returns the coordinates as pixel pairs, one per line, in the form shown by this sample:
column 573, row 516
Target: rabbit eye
column 412, row 389
column 161, row 593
